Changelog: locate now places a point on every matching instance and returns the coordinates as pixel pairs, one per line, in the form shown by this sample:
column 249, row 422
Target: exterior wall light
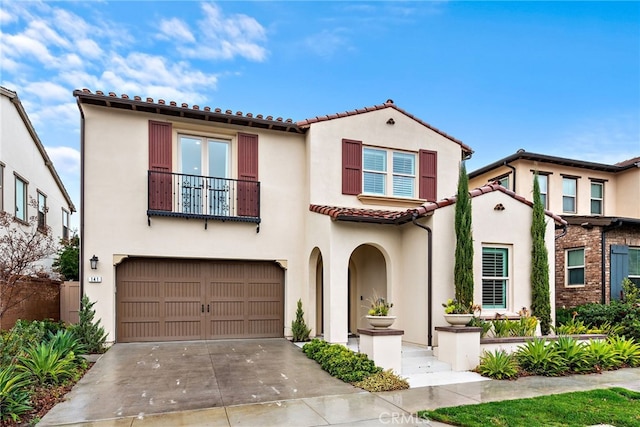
column 94, row 262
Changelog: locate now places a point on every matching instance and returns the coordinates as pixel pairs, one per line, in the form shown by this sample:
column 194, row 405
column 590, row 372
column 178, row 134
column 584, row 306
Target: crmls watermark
column 400, row 418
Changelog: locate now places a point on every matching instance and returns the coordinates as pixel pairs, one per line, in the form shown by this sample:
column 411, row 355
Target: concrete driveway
column 140, row 379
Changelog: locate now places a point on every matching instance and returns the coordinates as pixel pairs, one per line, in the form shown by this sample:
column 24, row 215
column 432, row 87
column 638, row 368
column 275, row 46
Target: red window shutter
column 248, row 197
column 351, row 167
column 428, row 175
column 160, row 166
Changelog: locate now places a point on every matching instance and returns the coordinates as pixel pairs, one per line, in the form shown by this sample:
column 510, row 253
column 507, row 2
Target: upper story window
column 634, row 265
column 569, row 193
column 65, row 224
column 504, row 181
column 42, row 211
column 597, row 198
column 21, row 199
column 543, row 183
column 376, row 178
column 495, row 277
column 575, row 267
column 381, row 172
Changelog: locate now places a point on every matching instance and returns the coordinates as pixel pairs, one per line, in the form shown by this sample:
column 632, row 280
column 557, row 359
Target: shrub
column 14, row 394
column 340, row 362
column 383, row 381
column 536, row 357
column 481, row 323
column 66, row 342
column 573, row 354
column 627, row 349
column 299, row 327
column 89, row 333
column 498, row 365
column 501, row 328
column 24, row 334
column 602, row 356
column 47, row 364
column 524, row 327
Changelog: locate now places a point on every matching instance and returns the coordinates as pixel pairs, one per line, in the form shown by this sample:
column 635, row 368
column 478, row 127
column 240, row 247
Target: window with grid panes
column 495, row 277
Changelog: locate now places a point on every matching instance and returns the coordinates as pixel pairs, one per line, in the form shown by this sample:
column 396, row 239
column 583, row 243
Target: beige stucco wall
column 295, row 170
column 116, row 164
column 20, row 156
column 325, row 151
column 621, row 190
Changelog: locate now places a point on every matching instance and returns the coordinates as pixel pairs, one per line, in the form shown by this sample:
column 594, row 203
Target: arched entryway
column 367, row 275
column 316, row 282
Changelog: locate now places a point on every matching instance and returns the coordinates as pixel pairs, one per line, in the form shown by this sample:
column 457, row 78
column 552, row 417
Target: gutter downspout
column 429, row 279
column 514, row 174
column 616, row 223
column 82, row 125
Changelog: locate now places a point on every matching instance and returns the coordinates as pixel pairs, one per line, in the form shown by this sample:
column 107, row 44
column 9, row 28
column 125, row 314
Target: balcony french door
column 205, row 165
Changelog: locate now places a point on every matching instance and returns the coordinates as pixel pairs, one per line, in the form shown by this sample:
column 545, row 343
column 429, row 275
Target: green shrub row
column 42, row 354
column 525, row 326
column 352, row 367
column 563, row 356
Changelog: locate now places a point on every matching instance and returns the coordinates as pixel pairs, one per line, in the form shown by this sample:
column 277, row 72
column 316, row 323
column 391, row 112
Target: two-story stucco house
column 600, row 202
column 212, row 224
column 27, row 173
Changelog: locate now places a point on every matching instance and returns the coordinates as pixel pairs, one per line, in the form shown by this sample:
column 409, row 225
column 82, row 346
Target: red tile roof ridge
column 183, row 105
column 388, row 104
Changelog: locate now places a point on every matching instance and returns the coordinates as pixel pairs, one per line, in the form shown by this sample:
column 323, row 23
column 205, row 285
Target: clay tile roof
column 635, row 160
column 402, row 217
column 173, row 108
column 388, row 104
column 364, row 215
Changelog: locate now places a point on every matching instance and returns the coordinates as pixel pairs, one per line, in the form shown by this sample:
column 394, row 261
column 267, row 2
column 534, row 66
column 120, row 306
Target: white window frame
column 597, row 199
column 390, row 174
column 568, row 268
column 66, row 235
column 21, row 206
column 506, row 279
column 203, row 194
column 544, row 195
column 634, row 276
column 503, row 181
column 42, row 210
column 570, row 196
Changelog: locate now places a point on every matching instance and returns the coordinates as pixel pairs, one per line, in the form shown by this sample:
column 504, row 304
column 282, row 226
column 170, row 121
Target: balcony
column 203, row 197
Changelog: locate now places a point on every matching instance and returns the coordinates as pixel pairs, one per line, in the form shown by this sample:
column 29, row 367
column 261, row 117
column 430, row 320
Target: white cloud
column 21, row 46
column 225, row 37
column 6, row 17
column 88, row 48
column 327, row 42
column 176, row 29
column 66, row 160
column 48, row 91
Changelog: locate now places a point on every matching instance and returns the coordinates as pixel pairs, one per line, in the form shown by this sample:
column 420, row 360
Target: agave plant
column 601, row 355
column 47, row 364
column 66, row 342
column 498, row 365
column 539, row 358
column 627, row 349
column 573, row 353
column 14, row 394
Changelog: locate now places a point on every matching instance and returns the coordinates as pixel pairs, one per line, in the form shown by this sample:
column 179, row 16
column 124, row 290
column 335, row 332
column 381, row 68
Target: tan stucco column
column 336, row 329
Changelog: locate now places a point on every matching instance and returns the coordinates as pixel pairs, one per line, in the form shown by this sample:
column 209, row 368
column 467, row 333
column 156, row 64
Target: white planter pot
column 381, row 322
column 458, row 320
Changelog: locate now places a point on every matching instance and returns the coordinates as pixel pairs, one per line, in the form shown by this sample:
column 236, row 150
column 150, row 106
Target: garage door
column 170, row 300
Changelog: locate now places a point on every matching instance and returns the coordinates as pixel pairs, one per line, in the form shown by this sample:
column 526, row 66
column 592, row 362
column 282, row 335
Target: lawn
column 614, row 406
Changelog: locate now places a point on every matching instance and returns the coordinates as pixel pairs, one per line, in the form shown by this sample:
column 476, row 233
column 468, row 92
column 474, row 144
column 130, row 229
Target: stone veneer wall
column 590, row 239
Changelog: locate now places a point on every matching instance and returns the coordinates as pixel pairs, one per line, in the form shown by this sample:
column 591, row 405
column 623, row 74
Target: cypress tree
column 540, row 298
column 463, row 270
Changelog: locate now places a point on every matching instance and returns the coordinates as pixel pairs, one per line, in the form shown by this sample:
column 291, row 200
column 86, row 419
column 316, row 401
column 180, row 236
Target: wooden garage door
column 170, row 300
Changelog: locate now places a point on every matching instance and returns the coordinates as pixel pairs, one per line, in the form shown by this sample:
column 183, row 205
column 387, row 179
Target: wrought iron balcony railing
column 205, row 197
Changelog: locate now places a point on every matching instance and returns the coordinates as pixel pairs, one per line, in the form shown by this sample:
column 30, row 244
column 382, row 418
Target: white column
column 336, row 299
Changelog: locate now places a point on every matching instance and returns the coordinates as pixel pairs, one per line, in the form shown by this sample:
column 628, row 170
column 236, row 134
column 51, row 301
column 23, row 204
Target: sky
column 557, row 78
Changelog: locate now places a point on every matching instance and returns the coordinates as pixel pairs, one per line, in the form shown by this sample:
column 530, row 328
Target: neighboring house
column 600, row 202
column 27, row 173
column 212, row 224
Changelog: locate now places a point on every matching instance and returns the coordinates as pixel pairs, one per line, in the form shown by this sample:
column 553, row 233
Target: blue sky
column 559, row 78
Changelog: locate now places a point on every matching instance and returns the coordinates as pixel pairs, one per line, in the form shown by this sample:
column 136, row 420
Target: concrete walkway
column 326, row 405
